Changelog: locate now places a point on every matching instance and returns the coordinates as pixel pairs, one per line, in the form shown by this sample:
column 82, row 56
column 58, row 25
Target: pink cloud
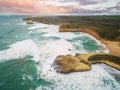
column 87, row 2
column 29, row 7
column 118, row 5
column 41, row 7
column 83, row 2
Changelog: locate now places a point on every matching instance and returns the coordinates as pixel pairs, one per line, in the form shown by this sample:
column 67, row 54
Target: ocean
column 27, row 52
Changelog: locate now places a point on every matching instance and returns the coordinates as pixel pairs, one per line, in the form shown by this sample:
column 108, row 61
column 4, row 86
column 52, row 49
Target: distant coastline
column 104, row 28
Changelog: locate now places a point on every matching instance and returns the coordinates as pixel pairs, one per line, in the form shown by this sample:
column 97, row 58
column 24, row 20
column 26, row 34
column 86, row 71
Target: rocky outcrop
column 83, row 62
column 29, row 22
column 69, row 63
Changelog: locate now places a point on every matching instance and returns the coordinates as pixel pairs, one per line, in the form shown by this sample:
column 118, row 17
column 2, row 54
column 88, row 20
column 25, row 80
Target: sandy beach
column 113, row 46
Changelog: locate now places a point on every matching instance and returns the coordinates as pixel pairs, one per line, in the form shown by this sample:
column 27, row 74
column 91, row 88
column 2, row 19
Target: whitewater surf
column 28, row 51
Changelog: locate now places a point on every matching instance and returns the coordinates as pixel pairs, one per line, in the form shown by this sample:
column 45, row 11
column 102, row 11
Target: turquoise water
column 27, row 52
column 18, row 72
column 87, row 43
column 21, row 73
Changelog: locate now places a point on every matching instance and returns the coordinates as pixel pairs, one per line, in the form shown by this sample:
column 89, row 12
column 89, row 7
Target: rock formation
column 29, row 22
column 70, row 63
column 82, row 62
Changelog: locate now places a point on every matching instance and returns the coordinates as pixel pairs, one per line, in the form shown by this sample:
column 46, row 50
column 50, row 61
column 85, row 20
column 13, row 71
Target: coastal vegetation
column 107, row 27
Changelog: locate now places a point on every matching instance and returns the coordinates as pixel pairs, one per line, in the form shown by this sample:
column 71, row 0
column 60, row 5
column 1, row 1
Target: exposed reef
column 83, row 62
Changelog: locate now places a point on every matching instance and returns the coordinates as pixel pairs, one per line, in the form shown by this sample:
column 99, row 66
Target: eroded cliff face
column 83, row 62
column 82, row 29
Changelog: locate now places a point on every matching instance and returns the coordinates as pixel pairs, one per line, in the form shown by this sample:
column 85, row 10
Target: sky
column 57, row 7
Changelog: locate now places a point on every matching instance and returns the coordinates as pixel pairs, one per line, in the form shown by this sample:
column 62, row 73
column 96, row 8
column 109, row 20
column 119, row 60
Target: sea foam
column 98, row 78
column 19, row 50
column 54, row 48
column 40, row 26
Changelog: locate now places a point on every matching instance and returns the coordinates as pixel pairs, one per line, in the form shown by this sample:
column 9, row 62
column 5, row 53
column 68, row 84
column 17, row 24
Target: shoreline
column 113, row 46
column 107, row 32
column 104, row 28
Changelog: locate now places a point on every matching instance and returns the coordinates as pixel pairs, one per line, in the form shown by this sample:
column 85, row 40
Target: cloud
column 29, row 7
column 118, row 6
column 115, row 10
column 57, row 7
column 87, row 2
column 83, row 11
column 81, row 2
